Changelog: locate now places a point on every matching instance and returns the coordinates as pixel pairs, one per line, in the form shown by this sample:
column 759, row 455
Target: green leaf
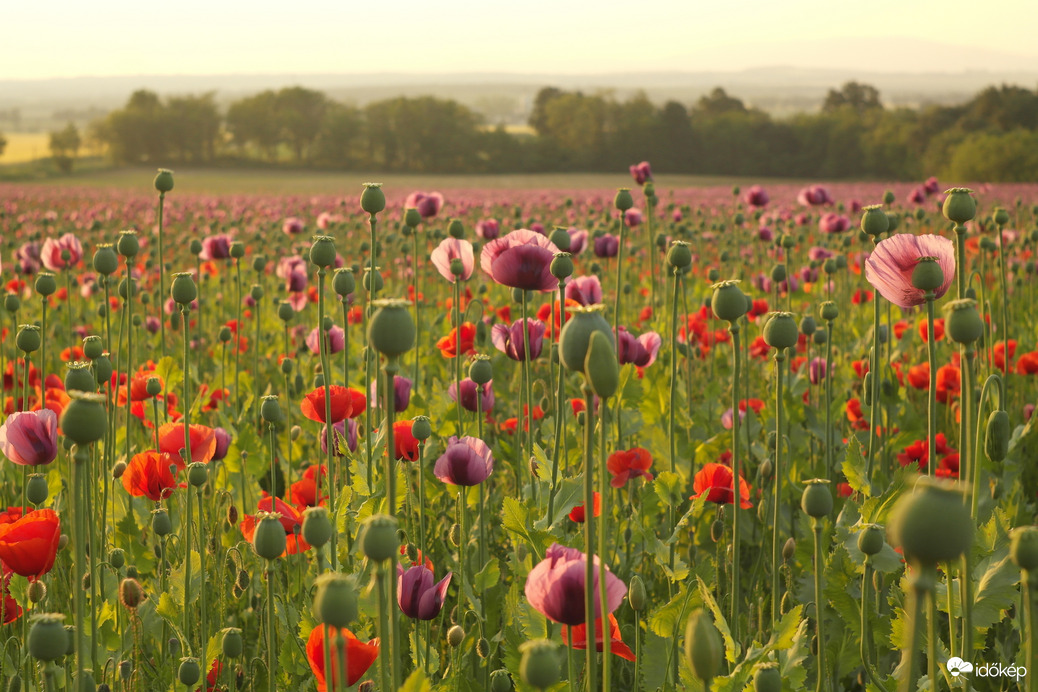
column 489, row 576
column 731, row 648
column 784, row 635
column 416, row 682
column 568, row 494
column 854, row 468
column 996, row 591
column 668, row 487
column 663, row 620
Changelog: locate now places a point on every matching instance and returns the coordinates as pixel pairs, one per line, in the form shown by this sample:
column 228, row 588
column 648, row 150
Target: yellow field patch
column 25, row 146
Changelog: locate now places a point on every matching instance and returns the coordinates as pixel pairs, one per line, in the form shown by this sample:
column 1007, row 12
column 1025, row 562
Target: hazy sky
column 69, row 38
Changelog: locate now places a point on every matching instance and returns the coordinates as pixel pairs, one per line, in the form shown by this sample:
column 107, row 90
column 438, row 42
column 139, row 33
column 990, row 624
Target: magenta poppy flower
column 488, row 229
column 468, row 395
column 293, row 225
column 50, row 253
column 889, row 268
column 641, row 172
column 521, row 259
column 223, row 443
column 765, row 234
column 451, row 249
column 401, row 393
column 418, row 597
column 633, row 217
column 586, row 290
column 336, row 340
column 816, row 370
column 344, row 429
column 428, row 204
column 931, row 186
column 216, row 247
column 814, row 196
column 555, row 587
column 509, row 339
column 577, row 241
column 30, row 438
column 606, row 245
column 756, row 196
column 641, row 351
column 28, row 257
column 833, row 223
column 466, row 462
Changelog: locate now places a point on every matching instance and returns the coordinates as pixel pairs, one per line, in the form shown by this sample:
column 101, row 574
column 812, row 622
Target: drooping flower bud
column 636, row 594
column 703, row 648
column 996, row 436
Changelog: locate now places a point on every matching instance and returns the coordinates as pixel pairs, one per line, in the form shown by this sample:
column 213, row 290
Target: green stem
column 203, row 641
column 875, row 370
column 589, row 534
column 162, row 278
column 526, row 417
column 329, row 428
column 866, row 585
column 80, row 457
column 560, row 411
column 733, row 329
column 1028, row 599
column 272, row 649
column 922, row 580
column 1005, row 307
column 603, row 552
column 822, row 684
column 237, row 343
column 780, row 358
column 389, row 371
column 830, row 471
column 931, row 415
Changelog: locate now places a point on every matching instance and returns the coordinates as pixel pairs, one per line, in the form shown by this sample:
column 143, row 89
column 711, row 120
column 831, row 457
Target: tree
column 3, row 143
column 64, row 147
column 672, row 139
column 1010, row 157
column 192, row 126
column 538, row 116
column 1004, row 108
column 339, row 141
column 860, row 98
column 137, row 132
column 300, row 113
column 251, row 122
column 718, row 102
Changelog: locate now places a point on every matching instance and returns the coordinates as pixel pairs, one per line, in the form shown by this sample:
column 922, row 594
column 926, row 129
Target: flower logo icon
column 956, row 666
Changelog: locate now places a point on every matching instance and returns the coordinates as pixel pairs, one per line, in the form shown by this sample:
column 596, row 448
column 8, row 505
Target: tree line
column 994, row 136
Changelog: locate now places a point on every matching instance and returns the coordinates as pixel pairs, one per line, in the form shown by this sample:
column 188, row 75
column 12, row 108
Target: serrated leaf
column 663, row 620
column 731, row 648
column 784, row 634
column 996, row 591
column 668, row 487
column 568, row 494
column 854, row 468
column 487, row 577
column 416, row 682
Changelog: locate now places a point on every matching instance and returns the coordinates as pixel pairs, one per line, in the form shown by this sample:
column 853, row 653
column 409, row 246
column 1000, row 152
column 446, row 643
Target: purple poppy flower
column 809, row 275
column 152, row 324
column 466, row 462
column 917, row 196
column 556, row 586
column 606, row 245
column 451, row 249
column 428, row 204
column 468, row 395
column 931, row 186
column 634, row 218
column 401, row 393
column 216, row 247
column 586, row 290
column 336, row 340
column 521, row 259
column 641, row 172
column 28, row 257
column 819, row 254
column 488, row 229
column 343, row 429
column 833, row 223
column 30, row 438
column 889, row 268
column 509, row 339
column 756, row 196
column 816, row 370
column 641, row 351
column 293, row 226
column 765, row 234
column 418, row 597
column 814, row 196
column 577, row 241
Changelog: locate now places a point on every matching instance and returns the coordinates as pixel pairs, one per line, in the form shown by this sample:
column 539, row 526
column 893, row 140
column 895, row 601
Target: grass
column 285, row 181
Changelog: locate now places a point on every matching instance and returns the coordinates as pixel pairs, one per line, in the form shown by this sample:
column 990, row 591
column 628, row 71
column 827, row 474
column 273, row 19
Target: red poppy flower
column 716, row 481
column 28, row 546
column 844, row 489
column 9, row 607
column 627, row 464
column 212, row 399
column 938, row 330
column 552, row 313
column 148, row 475
column 1028, row 363
column 759, row 348
column 355, row 315
column 512, row 424
column 861, row 296
column 861, row 368
column 203, row 441
column 290, row 520
column 998, row 353
column 359, row 656
column 760, row 307
column 919, row 376
column 578, row 515
column 576, row 637
column 421, row 559
column 448, row 345
column 404, row 442
column 577, row 405
column 11, row 515
column 947, row 383
column 71, row 354
column 855, row 416
column 343, row 402
column 304, row 491
column 900, row 327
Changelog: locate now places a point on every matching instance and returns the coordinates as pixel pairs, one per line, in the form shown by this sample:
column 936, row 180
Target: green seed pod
column 93, row 347
column 871, row 539
column 36, row 491
column 996, row 436
column 46, row 285
column 562, row 265
column 575, row 337
column 84, row 419
column 117, row 558
column 379, row 539
column 391, row 330
column 256, row 292
column 781, row 330
column 270, row 409
column 195, row 248
column 48, row 639
column 106, row 262
column 482, row 648
column 335, row 602
column 778, row 273
column 12, row 303
column 79, row 377
column 963, row 323
column 455, row 229
column 322, row 251
column 373, row 200
column 232, row 643
column 412, row 218
column 128, row 245
column 344, row 282
column 808, row 325
column 153, row 386
column 893, row 221
column 164, row 180
column 285, row 311
column 888, row 197
column 28, row 338
column 932, row 524
column 623, row 200
column 317, row 526
column 197, row 474
column 817, row 500
column 103, row 369
column 679, row 256
column 601, row 366
column 481, row 371
column 539, row 666
column 500, row 681
column 829, row 311
column 1001, row 216
column 455, row 636
column 421, row 429
column 728, row 302
column 236, row 249
column 789, row 549
column 874, row 220
column 189, row 672
column 713, row 275
column 560, row 238
column 1023, row 547
column 269, row 541
column 959, row 205
column 636, row 595
column 703, row 648
column 927, row 275
column 161, row 524
column 767, row 678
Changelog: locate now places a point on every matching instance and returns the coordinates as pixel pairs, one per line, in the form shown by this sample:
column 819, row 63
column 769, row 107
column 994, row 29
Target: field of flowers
column 237, row 457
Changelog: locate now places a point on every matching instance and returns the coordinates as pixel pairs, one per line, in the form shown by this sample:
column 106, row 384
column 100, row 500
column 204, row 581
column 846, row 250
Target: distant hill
column 38, row 105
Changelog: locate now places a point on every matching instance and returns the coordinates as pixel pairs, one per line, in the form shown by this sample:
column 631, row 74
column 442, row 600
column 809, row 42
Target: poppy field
column 770, row 438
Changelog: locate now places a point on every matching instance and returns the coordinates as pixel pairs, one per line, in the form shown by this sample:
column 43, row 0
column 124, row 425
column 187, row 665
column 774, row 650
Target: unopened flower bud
column 703, row 648
column 539, row 665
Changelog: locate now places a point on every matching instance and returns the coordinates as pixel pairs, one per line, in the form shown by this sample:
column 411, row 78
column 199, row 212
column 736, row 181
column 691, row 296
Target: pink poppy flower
column 889, row 268
column 641, row 172
column 418, row 597
column 756, row 196
column 50, row 253
column 586, row 290
column 509, row 339
column 521, row 259
column 641, row 351
column 30, row 438
column 814, row 196
column 556, row 586
column 428, row 204
column 451, row 249
column 467, row 462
